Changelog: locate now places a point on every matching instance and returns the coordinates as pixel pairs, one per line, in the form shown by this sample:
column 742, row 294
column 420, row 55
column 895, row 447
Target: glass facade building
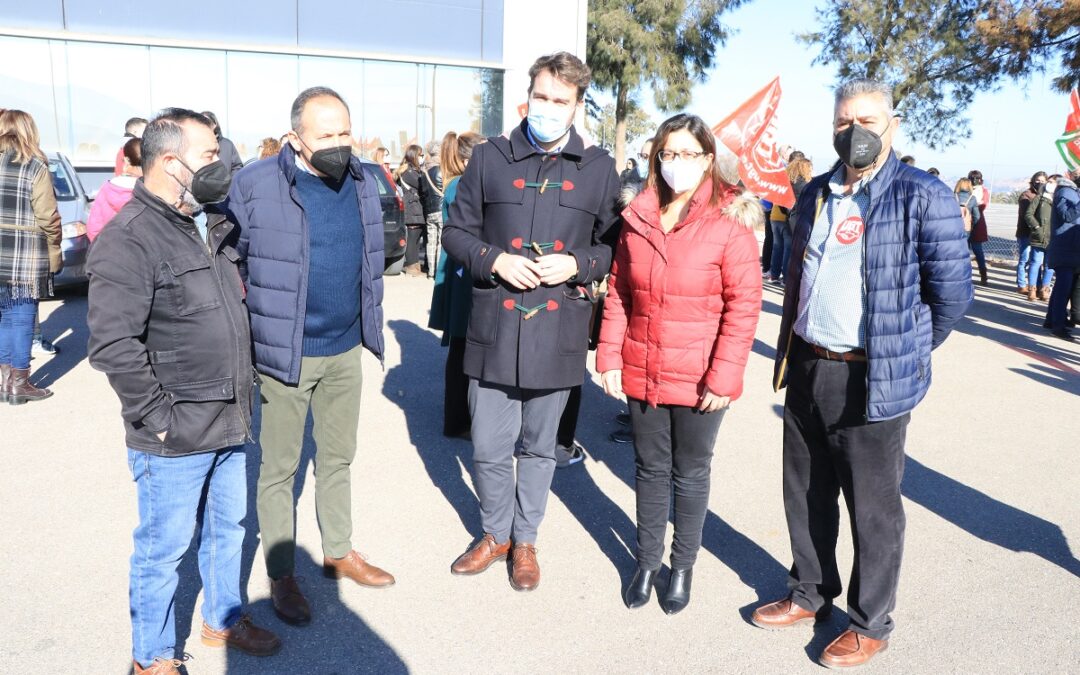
column 409, row 70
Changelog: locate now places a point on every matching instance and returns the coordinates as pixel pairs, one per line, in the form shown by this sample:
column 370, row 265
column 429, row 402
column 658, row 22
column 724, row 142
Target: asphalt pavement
column 989, row 581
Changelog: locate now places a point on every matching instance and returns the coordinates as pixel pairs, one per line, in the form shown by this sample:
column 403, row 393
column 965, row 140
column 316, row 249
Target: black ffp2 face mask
column 333, row 161
column 857, row 146
column 210, row 184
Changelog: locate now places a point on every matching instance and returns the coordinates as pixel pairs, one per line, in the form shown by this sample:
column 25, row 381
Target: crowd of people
column 210, row 280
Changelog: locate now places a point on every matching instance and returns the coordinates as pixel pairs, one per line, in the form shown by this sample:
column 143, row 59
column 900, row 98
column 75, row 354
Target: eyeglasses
column 685, row 155
column 643, row 157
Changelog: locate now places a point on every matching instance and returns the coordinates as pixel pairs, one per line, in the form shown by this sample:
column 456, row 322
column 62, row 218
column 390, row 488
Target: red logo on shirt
column 850, row 230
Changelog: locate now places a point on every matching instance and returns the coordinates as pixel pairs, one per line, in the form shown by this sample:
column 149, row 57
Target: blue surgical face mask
column 546, row 122
column 643, row 170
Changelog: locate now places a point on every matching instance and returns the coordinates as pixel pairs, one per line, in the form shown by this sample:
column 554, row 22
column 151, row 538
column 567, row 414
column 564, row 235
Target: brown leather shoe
column 785, row 613
column 525, row 571
column 160, row 666
column 1044, row 294
column 482, row 555
column 244, row 636
column 20, row 390
column 353, row 566
column 290, row 605
column 850, row 650
column 1022, row 290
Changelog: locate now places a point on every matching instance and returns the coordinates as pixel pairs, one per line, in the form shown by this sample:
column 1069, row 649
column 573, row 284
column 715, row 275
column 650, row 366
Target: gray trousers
column 434, row 242
column 500, row 416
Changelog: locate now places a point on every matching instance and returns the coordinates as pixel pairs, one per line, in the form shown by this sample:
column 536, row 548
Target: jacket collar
column 214, row 219
column 520, row 147
column 643, row 213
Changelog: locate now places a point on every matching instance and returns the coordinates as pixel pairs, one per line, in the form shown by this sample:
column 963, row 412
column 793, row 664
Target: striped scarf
column 24, row 252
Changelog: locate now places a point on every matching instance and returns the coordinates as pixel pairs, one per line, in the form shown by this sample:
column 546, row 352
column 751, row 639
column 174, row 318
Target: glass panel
column 29, row 87
column 45, row 14
column 107, row 85
column 261, row 89
column 200, row 87
column 391, row 115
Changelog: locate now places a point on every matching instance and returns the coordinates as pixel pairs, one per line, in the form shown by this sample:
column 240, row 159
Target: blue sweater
column 336, row 251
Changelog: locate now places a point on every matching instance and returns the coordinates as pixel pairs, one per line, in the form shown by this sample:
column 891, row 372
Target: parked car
column 74, row 206
column 393, row 208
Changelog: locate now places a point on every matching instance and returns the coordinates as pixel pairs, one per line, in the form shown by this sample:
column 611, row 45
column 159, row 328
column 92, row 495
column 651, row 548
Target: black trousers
column 673, row 445
column 413, row 233
column 829, row 449
column 456, row 417
column 568, row 422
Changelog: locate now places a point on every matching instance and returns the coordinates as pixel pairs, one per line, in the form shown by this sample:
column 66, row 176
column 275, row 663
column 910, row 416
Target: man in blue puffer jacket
column 879, row 275
column 1063, row 254
column 311, row 250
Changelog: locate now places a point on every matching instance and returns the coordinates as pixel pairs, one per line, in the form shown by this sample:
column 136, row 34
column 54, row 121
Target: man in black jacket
column 169, row 328
column 533, row 222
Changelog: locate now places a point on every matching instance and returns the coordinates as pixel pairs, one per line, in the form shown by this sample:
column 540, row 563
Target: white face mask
column 682, row 174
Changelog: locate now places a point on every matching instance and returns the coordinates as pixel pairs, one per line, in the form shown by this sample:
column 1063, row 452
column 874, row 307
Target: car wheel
column 394, row 267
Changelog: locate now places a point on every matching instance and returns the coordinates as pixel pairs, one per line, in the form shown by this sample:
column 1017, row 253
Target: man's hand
column 556, row 269
column 612, row 381
column 710, row 402
column 518, row 271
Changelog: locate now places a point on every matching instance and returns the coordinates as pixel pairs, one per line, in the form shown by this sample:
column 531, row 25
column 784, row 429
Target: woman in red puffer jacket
column 679, row 320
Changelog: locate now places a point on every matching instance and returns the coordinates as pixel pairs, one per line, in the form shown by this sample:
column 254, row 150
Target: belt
column 853, row 355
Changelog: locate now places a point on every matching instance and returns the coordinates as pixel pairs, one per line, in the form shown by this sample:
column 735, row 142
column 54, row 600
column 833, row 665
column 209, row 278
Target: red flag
column 750, row 133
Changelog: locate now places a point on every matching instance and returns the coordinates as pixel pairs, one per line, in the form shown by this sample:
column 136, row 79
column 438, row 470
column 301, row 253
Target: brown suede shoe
column 290, row 605
column 1022, row 290
column 1044, row 294
column 244, row 636
column 160, row 666
column 850, row 650
column 353, row 566
column 1031, row 295
column 785, row 613
column 525, row 571
column 481, row 556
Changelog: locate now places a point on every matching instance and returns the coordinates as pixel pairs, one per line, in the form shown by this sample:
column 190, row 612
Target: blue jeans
column 1059, row 297
column 1035, row 261
column 17, row 332
column 980, row 257
column 781, row 248
column 171, row 491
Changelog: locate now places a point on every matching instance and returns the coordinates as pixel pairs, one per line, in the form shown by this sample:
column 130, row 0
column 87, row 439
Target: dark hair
column 301, row 101
column 704, row 136
column 131, row 124
column 564, row 66
column 212, row 117
column 412, row 155
column 165, row 133
column 908, row 159
column 975, row 176
column 632, row 162
column 1035, row 177
column 933, row 171
column 133, row 151
column 796, row 155
column 456, row 151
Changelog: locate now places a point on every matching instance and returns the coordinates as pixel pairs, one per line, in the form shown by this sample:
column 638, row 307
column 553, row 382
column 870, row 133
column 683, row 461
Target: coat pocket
column 194, row 288
column 484, row 317
column 194, row 408
column 574, row 318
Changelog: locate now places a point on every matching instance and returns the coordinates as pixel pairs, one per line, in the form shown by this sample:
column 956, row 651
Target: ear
column 294, row 141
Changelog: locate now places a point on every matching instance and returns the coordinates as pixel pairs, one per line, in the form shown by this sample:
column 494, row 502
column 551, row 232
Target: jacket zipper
column 866, row 294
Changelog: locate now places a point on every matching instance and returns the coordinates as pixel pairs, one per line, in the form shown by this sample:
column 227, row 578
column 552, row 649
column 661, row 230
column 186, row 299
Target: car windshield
column 63, row 185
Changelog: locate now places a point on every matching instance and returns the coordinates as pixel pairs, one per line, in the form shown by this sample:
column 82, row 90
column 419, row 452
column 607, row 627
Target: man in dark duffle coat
column 534, row 220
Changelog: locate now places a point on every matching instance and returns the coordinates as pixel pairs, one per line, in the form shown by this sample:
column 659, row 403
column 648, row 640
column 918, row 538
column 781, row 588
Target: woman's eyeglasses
column 686, row 155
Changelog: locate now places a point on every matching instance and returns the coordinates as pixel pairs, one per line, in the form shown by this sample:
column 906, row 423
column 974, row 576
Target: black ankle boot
column 639, row 591
column 677, row 596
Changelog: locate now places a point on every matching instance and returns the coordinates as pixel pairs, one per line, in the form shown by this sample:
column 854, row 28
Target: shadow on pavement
column 67, row 320
column 987, row 518
column 416, row 386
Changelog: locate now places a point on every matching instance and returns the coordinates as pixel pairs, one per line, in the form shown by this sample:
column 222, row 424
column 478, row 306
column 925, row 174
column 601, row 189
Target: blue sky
column 1013, row 129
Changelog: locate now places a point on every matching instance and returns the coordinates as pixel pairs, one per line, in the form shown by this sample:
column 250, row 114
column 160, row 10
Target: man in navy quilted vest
column 533, row 222
column 311, row 248
column 879, row 275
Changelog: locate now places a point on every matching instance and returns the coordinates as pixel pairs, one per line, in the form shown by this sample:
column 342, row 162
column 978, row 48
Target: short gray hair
column 433, row 148
column 863, row 86
column 302, row 99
